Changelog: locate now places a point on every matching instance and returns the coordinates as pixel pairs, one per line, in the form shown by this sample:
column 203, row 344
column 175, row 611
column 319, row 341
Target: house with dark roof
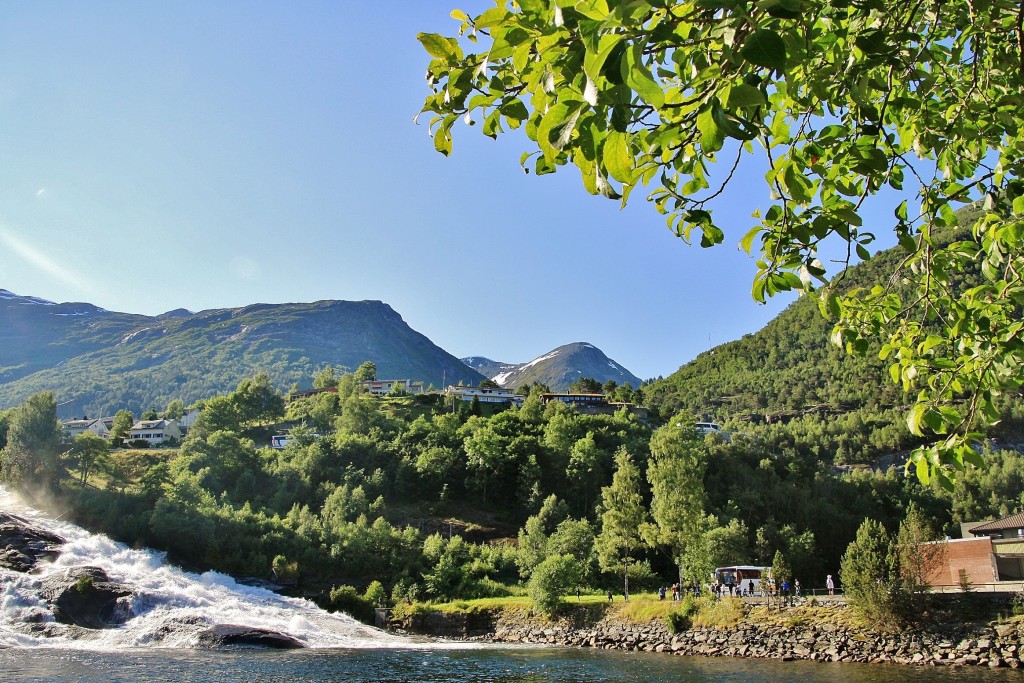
column 71, row 428
column 989, row 552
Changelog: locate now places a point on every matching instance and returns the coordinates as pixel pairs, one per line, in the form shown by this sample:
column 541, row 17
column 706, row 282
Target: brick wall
column 973, row 556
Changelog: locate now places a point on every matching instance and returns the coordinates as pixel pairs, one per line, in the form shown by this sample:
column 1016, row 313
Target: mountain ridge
column 98, row 361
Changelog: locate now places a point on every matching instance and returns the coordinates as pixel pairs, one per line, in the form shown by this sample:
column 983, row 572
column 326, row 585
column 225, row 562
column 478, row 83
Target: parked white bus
column 746, row 579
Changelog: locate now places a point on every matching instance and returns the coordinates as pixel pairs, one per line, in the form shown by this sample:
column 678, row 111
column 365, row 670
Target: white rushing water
column 166, row 595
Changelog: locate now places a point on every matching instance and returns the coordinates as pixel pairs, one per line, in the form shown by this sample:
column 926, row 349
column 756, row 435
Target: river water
column 479, row 665
column 153, row 644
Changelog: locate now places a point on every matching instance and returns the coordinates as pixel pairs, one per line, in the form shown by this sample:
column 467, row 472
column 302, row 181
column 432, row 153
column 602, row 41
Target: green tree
column 676, row 475
column 366, row 372
column 175, row 410
column 842, row 103
column 325, row 378
column 622, row 517
column 90, row 451
column 5, row 421
column 257, row 401
column 715, row 546
column 375, row 594
column 534, row 536
column 32, row 454
column 553, row 578
column 123, row 422
column 919, row 549
column 871, row 575
column 585, row 385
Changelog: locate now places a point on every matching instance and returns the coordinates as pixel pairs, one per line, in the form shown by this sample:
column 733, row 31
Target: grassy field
column 642, row 608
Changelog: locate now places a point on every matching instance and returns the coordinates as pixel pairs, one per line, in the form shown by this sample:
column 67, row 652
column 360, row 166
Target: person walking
column 830, row 585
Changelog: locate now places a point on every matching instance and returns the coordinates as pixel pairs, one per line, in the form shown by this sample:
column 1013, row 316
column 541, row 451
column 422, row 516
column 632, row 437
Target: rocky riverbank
column 821, row 637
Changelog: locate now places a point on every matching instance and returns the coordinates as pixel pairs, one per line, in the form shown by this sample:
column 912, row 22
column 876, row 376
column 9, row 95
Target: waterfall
column 168, row 608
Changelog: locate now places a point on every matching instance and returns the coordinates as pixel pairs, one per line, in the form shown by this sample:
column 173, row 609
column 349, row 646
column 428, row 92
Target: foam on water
column 166, row 596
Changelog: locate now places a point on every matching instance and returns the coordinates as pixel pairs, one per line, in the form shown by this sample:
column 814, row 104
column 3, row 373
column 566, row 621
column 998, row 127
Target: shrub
column 1017, row 605
column 375, row 594
column 552, row 578
column 677, row 622
column 348, row 600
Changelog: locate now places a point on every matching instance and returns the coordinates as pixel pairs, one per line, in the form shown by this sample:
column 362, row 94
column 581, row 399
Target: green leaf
column 639, row 78
column 747, row 242
column 744, row 95
column 617, row 158
column 914, row 419
column 901, row 211
column 439, row 47
column 923, row 470
column 711, row 136
column 557, row 123
column 594, row 61
column 765, row 48
column 783, row 9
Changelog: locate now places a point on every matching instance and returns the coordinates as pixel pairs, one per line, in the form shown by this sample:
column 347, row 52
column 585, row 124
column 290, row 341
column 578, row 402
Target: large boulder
column 22, row 545
column 223, row 635
column 84, row 596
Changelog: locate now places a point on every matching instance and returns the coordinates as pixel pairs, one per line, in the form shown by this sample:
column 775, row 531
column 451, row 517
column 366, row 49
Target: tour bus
column 746, row 579
column 279, row 441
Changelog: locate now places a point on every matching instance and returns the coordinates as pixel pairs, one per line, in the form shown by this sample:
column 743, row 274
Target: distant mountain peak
column 557, row 368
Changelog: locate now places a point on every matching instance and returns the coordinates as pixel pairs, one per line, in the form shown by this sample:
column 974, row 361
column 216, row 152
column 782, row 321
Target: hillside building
column 989, row 552
column 383, row 387
column 594, row 404
column 156, row 432
column 69, row 429
column 484, row 394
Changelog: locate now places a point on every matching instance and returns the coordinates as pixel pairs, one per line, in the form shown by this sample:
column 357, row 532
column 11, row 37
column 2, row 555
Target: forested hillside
column 844, row 408
column 449, row 500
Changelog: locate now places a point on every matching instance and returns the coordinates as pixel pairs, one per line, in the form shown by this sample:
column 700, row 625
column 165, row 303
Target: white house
column 382, row 387
column 188, row 418
column 484, row 394
column 72, row 428
column 155, row 432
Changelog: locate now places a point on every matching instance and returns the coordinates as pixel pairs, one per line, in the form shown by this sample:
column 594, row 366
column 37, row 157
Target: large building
column 594, row 404
column 989, row 552
column 484, row 394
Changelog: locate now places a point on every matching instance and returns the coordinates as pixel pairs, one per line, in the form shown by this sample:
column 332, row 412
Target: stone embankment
column 998, row 645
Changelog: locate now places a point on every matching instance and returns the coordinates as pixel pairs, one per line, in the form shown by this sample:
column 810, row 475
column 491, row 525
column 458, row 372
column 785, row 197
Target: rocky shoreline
column 824, row 640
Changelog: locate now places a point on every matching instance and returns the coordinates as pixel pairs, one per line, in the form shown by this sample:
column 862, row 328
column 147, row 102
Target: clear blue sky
column 203, row 155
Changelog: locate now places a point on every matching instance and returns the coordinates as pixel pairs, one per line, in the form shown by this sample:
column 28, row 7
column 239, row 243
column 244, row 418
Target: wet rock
column 22, row 545
column 226, row 635
column 84, row 596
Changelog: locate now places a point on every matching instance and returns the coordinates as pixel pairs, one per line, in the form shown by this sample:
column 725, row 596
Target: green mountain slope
column 843, row 407
column 98, row 362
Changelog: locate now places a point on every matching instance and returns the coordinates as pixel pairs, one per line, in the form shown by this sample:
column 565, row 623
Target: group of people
column 678, row 591
column 730, row 588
